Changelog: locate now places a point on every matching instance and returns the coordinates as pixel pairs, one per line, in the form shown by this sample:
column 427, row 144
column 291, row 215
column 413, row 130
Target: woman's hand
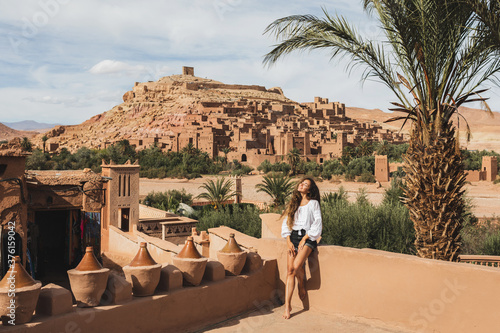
column 303, row 242
column 291, row 248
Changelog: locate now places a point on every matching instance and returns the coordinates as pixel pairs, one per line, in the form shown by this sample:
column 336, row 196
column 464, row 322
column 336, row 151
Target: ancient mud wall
column 13, row 197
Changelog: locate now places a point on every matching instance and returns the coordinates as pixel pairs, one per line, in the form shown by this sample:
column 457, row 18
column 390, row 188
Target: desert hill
column 7, row 133
column 151, row 108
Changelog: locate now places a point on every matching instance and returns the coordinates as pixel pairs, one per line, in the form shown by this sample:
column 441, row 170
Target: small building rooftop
column 61, row 177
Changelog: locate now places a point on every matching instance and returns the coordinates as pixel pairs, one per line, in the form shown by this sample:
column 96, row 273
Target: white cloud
column 113, row 67
column 65, row 101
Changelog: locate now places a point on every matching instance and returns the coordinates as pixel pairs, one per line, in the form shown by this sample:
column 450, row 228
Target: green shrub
column 242, row 217
column 238, row 169
column 358, row 166
column 333, row 197
column 393, row 194
column 310, row 168
column 36, row 161
column 168, row 200
column 363, row 225
column 332, row 167
column 267, row 167
column 491, row 244
column 366, row 177
column 480, row 239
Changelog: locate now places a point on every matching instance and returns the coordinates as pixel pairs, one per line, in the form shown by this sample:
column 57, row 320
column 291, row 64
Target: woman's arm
column 314, row 231
column 285, row 232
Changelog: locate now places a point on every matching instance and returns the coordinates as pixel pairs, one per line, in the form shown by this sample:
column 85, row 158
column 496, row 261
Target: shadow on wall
column 314, row 281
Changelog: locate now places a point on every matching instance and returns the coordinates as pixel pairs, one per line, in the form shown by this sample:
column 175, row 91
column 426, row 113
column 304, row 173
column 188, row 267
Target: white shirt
column 307, row 217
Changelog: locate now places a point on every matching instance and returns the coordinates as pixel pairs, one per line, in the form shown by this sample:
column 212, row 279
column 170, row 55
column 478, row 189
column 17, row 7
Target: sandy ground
column 485, row 196
column 263, row 321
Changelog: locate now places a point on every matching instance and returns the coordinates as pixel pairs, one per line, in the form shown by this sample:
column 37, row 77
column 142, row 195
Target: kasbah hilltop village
column 91, row 256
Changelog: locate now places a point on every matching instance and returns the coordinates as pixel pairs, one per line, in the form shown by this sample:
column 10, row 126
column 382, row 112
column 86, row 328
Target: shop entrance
column 49, row 246
column 57, row 242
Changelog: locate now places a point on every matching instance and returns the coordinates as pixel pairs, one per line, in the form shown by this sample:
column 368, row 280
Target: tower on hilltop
column 187, row 70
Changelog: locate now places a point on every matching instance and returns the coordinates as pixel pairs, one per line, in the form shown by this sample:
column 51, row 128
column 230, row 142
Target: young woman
column 301, row 228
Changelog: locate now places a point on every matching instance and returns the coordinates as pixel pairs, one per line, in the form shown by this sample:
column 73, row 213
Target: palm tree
column 189, row 149
column 44, row 142
column 383, row 148
column 26, row 144
column 278, row 186
column 226, row 151
column 435, row 57
column 488, row 13
column 347, row 155
column 364, row 148
column 293, row 158
column 217, row 192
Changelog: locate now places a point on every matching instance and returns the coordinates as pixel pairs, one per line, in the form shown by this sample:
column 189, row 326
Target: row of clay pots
column 88, row 280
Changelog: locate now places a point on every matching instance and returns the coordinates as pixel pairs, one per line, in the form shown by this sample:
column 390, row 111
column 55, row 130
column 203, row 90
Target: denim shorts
column 296, row 238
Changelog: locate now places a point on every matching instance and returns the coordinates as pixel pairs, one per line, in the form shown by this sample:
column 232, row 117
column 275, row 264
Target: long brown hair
column 296, row 198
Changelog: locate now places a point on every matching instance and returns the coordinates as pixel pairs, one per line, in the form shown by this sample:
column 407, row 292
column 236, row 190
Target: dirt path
column 484, row 195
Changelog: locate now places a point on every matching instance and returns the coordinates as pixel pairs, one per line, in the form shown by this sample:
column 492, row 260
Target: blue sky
column 64, row 61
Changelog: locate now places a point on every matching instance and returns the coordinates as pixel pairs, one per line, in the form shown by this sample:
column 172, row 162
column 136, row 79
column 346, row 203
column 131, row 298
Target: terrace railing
column 491, row 261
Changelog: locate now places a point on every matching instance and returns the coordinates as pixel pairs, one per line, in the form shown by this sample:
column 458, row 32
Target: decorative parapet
column 492, row 261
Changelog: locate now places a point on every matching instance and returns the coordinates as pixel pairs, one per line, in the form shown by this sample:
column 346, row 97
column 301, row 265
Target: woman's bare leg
column 294, row 265
column 298, row 264
column 301, row 284
column 290, row 284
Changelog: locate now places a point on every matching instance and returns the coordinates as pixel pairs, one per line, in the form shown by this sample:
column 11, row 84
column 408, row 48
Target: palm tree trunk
column 434, row 193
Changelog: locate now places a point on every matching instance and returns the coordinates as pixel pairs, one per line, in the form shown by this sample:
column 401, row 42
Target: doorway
column 50, row 252
column 125, row 219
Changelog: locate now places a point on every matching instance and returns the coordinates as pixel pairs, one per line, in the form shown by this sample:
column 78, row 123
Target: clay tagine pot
column 191, row 263
column 18, row 295
column 143, row 272
column 232, row 257
column 88, row 280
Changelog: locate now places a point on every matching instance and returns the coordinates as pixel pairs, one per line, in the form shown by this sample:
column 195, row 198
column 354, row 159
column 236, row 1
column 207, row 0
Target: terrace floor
column 270, row 320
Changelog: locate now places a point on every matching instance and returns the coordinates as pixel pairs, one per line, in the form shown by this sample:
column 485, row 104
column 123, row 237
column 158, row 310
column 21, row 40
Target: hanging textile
column 91, row 231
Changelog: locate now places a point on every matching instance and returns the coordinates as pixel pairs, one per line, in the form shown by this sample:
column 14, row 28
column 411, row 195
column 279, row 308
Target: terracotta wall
column 475, row 175
column 127, row 244
column 13, row 207
column 54, row 197
column 399, row 290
